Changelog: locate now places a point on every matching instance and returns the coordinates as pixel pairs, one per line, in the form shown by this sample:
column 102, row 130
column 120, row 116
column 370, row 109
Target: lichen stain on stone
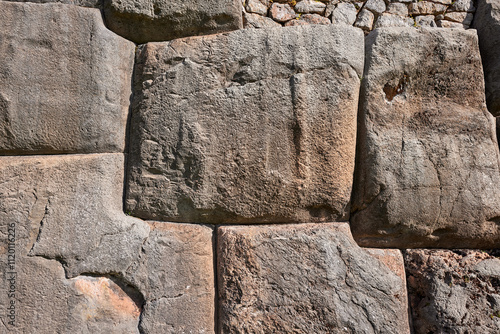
column 106, row 299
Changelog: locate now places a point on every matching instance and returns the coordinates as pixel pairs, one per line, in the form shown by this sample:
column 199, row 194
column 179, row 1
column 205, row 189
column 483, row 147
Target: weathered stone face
column 69, row 209
column 66, row 208
column 250, row 126
column 64, row 81
column 487, row 23
column 162, row 20
column 45, row 301
column 453, row 291
column 308, row 278
column 176, row 274
column 428, row 172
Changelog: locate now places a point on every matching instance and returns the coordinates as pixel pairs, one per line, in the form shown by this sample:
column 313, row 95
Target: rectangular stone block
column 249, row 126
column 143, row 21
column 428, row 162
column 175, row 273
column 64, row 81
column 307, row 278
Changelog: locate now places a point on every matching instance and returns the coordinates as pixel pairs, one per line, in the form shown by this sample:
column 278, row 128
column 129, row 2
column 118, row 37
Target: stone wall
column 165, row 167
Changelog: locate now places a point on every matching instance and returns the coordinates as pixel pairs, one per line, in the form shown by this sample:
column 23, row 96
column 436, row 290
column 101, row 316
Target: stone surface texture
column 487, row 23
column 175, row 271
column 83, row 3
column 308, row 278
column 64, row 82
column 67, row 212
column 250, row 126
column 66, row 209
column 428, row 161
column 161, row 20
column 454, row 291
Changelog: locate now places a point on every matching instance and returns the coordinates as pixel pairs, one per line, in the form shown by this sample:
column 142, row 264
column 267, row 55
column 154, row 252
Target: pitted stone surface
column 64, row 81
column 487, row 23
column 454, row 291
column 143, row 21
column 428, row 172
column 307, row 278
column 251, row 126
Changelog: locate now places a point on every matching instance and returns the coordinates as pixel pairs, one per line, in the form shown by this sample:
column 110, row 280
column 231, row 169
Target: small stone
column 426, row 8
column 365, row 20
column 282, row 12
column 257, row 7
column 310, row 7
column 258, row 21
column 463, row 6
column 376, row 6
column 425, row 21
column 330, row 7
column 293, row 23
column 390, row 20
column 444, row 2
column 314, row 19
column 344, row 13
column 398, row 8
column 450, row 24
column 460, row 17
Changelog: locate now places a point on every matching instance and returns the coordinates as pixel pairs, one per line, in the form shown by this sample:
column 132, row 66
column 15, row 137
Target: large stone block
column 64, row 81
column 249, row 126
column 307, row 278
column 65, row 212
column 428, row 162
column 162, row 20
column 70, row 209
column 487, row 23
column 454, row 291
column 175, row 273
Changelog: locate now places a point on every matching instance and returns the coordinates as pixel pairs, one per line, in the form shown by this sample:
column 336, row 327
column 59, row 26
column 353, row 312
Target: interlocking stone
column 281, row 12
column 307, row 278
column 144, row 21
column 176, row 275
column 253, row 126
column 258, row 21
column 428, row 171
column 67, row 209
column 487, row 23
column 64, row 81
